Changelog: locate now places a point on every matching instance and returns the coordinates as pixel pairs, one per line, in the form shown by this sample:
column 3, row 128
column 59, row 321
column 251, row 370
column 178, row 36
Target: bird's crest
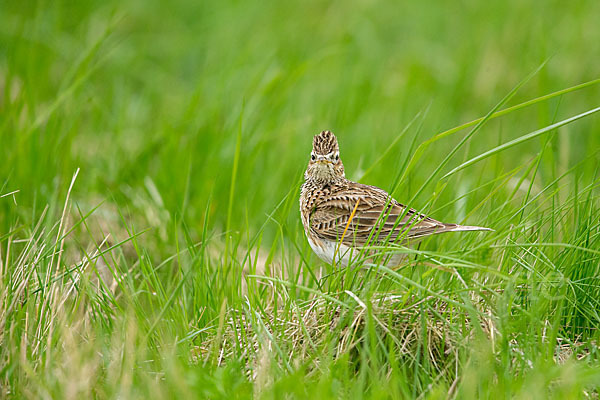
column 325, row 143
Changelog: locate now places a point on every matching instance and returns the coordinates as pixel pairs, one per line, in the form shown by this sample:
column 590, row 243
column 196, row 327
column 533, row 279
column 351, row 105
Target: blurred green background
column 193, row 120
column 147, row 97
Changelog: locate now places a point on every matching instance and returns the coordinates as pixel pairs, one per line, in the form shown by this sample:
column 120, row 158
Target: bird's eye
column 337, row 157
column 312, row 157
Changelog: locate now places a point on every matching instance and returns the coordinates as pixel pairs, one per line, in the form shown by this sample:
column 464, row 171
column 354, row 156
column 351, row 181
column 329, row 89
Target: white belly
column 328, row 249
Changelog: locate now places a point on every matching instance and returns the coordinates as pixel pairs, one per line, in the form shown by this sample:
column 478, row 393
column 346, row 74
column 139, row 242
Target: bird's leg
column 418, row 248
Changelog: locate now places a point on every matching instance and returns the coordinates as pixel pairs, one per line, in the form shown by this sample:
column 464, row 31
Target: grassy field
column 151, row 155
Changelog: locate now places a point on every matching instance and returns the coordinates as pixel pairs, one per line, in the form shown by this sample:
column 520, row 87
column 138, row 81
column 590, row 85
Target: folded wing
column 376, row 217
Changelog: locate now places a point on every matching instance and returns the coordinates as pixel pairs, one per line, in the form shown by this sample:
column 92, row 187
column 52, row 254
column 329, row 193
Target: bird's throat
column 322, row 174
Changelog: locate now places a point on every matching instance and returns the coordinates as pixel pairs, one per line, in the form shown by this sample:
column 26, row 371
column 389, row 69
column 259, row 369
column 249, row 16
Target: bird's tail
column 462, row 228
column 447, row 228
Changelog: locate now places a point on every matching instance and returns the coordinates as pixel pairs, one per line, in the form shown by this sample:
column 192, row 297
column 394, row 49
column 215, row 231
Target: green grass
column 150, row 161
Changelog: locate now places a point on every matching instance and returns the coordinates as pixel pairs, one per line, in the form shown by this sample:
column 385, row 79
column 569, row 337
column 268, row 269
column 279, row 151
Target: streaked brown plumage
column 328, row 200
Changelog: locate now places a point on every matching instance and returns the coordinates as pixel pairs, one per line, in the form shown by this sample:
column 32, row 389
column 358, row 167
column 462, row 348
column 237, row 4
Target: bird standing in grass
column 341, row 217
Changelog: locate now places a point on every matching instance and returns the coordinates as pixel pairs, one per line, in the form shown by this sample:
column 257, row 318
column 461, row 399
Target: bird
column 341, row 218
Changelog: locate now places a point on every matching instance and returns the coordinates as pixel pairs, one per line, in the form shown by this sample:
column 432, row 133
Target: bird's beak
column 323, row 161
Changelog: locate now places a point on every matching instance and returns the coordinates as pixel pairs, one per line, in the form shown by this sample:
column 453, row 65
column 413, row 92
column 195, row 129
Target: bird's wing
column 377, row 217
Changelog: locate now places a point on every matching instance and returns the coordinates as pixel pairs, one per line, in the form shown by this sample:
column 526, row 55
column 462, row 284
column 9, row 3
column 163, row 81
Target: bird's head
column 325, row 163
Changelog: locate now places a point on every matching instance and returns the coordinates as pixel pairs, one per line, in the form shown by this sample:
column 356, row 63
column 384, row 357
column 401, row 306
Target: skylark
column 341, row 217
